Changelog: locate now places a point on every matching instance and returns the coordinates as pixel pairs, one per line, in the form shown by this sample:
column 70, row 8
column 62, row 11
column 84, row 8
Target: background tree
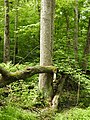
column 76, row 31
column 16, row 31
column 86, row 49
column 6, row 33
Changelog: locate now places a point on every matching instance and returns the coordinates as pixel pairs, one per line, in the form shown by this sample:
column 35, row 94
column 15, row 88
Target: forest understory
column 44, row 60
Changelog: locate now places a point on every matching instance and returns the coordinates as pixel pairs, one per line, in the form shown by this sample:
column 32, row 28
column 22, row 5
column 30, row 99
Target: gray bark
column 52, row 23
column 6, row 57
column 45, row 80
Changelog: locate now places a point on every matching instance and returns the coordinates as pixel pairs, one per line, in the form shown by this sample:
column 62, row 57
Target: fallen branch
column 9, row 77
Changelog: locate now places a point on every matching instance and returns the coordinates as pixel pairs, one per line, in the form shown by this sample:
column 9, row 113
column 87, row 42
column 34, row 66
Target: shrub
column 74, row 114
column 14, row 113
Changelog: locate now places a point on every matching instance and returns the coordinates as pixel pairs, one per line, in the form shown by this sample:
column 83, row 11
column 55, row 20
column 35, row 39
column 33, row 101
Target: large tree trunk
column 52, row 23
column 87, row 49
column 16, row 34
column 45, row 80
column 6, row 34
column 76, row 31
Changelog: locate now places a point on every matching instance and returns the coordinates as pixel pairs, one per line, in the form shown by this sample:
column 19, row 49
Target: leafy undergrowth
column 74, row 114
column 14, row 113
column 21, row 100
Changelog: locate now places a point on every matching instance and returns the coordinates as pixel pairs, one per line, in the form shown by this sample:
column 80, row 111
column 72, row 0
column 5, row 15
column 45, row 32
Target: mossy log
column 9, row 77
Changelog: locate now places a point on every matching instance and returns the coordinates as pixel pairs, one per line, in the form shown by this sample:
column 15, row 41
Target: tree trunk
column 6, row 34
column 45, row 80
column 52, row 23
column 87, row 49
column 16, row 34
column 76, row 31
column 67, row 29
column 58, row 91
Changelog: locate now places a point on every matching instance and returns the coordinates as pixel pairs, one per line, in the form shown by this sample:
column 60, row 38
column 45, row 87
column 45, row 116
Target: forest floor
column 15, row 113
column 22, row 101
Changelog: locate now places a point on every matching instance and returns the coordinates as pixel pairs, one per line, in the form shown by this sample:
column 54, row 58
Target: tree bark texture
column 6, row 57
column 67, row 29
column 76, row 31
column 86, row 49
column 58, row 91
column 45, row 80
column 52, row 23
column 7, row 77
column 16, row 34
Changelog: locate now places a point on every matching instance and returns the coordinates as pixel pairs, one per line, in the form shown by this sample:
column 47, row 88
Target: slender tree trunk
column 76, row 31
column 81, row 27
column 67, row 24
column 58, row 91
column 66, row 12
column 45, row 80
column 86, row 49
column 16, row 34
column 6, row 57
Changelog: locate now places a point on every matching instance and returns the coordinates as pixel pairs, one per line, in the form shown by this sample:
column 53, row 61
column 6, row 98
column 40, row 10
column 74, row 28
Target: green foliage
column 25, row 94
column 11, row 67
column 15, row 113
column 74, row 114
column 75, row 76
column 22, row 93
